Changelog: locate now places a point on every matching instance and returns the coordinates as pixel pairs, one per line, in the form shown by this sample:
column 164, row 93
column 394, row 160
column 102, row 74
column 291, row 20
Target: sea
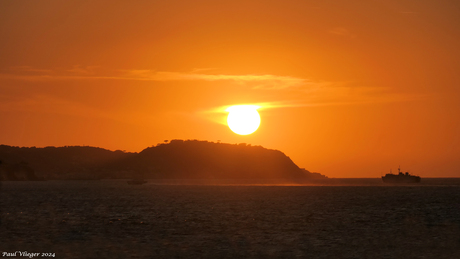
column 340, row 218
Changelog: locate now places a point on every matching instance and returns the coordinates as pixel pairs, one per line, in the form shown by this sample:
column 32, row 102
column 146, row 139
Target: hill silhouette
column 178, row 159
column 69, row 162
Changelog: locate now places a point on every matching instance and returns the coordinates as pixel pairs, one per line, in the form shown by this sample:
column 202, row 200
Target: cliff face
column 178, row 159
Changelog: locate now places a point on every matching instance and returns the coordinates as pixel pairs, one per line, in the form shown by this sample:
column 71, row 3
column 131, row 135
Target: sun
column 243, row 119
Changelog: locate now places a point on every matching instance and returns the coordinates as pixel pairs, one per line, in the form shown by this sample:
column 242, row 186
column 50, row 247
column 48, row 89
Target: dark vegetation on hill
column 177, row 159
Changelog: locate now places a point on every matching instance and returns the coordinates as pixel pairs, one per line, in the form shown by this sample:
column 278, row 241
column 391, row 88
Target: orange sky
column 349, row 88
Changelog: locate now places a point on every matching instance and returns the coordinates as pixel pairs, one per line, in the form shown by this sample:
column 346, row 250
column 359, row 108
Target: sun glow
column 243, row 119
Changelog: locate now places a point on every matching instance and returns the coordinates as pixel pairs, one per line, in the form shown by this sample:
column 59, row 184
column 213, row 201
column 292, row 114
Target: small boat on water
column 137, row 181
column 400, row 177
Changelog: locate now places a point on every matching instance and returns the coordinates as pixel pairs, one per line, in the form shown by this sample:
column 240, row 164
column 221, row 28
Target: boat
column 136, row 181
column 400, row 177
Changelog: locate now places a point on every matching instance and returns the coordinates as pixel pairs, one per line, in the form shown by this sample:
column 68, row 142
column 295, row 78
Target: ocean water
column 349, row 218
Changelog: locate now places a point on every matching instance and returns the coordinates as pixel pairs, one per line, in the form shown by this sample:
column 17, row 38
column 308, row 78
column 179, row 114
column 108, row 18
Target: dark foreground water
column 111, row 219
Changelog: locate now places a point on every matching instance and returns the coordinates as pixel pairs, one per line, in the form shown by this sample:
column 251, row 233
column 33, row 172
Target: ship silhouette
column 400, row 177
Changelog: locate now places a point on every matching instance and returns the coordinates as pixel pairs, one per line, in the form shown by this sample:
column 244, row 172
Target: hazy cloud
column 87, row 70
column 259, row 81
column 340, row 31
column 50, row 104
column 30, row 69
column 310, row 92
column 328, row 95
column 266, row 81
